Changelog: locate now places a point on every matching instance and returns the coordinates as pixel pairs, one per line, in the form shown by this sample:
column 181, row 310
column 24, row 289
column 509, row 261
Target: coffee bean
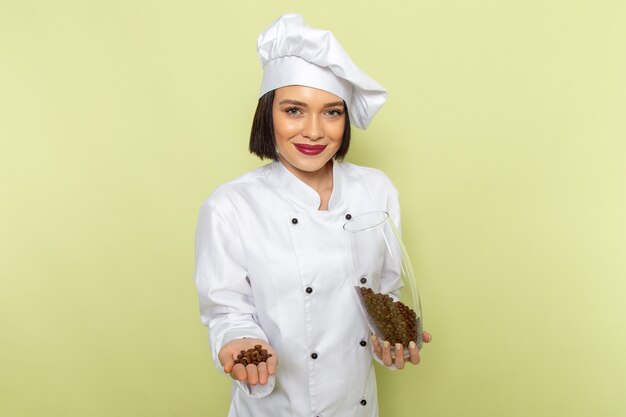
column 396, row 322
column 253, row 356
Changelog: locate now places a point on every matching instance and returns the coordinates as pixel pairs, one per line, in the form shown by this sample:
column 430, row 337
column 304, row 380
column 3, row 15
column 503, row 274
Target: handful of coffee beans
column 253, row 356
column 395, row 322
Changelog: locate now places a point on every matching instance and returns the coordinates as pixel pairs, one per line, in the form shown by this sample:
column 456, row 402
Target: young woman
column 272, row 258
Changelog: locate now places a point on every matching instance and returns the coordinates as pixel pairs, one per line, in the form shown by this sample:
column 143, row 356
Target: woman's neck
column 321, row 180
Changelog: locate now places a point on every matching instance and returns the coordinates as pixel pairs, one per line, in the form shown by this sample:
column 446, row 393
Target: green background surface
column 504, row 132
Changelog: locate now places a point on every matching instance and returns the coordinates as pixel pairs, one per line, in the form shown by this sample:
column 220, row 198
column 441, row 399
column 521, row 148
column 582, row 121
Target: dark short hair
column 262, row 140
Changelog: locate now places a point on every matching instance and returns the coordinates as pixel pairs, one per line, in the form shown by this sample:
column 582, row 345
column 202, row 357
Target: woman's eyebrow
column 336, row 103
column 302, row 104
column 295, row 102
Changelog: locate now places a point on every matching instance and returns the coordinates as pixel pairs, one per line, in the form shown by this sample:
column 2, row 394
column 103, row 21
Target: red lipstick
column 310, row 149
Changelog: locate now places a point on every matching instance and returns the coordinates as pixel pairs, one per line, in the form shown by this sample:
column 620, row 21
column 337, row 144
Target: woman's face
column 308, row 127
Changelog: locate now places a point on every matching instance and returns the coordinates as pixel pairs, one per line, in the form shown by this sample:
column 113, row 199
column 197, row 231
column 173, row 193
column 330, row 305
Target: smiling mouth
column 310, row 149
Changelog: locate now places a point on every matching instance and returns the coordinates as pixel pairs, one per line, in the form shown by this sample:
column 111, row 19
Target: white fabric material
column 315, row 57
column 293, row 70
column 253, row 265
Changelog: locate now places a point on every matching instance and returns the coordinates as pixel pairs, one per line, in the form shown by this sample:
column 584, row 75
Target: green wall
column 505, row 133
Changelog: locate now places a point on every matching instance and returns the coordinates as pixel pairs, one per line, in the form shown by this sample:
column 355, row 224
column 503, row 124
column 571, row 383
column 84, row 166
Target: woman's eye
column 292, row 111
column 334, row 112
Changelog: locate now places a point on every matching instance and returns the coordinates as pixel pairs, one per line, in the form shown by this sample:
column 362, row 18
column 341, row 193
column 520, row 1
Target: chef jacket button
column 309, row 290
column 348, row 216
column 294, row 221
column 314, row 355
column 363, row 279
column 363, row 402
column 363, row 343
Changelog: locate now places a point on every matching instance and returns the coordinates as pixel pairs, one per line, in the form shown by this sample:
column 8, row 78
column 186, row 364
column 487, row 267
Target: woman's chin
column 307, row 164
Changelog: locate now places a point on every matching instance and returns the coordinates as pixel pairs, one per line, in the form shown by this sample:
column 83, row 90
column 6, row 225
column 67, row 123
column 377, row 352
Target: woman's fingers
column 228, row 366
column 399, row 353
column 262, row 371
column 272, row 363
column 378, row 350
column 414, row 353
column 387, row 353
column 383, row 351
column 227, row 361
column 253, row 374
column 239, row 372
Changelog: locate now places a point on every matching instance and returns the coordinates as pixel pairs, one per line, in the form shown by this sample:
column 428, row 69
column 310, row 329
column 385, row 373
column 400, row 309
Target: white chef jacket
column 270, row 265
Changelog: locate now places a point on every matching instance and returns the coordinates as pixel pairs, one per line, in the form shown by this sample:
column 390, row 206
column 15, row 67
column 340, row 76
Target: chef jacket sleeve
column 226, row 302
column 393, row 207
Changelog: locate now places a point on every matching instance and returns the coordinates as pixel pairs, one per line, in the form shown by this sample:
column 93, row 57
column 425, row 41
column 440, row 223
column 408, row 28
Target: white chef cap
column 293, row 53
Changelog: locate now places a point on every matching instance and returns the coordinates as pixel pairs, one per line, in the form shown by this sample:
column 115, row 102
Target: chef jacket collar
column 301, row 193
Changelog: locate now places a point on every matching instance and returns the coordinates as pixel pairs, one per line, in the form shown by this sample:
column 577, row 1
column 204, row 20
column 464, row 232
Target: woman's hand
column 383, row 351
column 252, row 374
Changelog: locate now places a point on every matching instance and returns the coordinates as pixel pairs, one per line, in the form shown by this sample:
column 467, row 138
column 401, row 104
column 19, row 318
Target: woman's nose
column 312, row 128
